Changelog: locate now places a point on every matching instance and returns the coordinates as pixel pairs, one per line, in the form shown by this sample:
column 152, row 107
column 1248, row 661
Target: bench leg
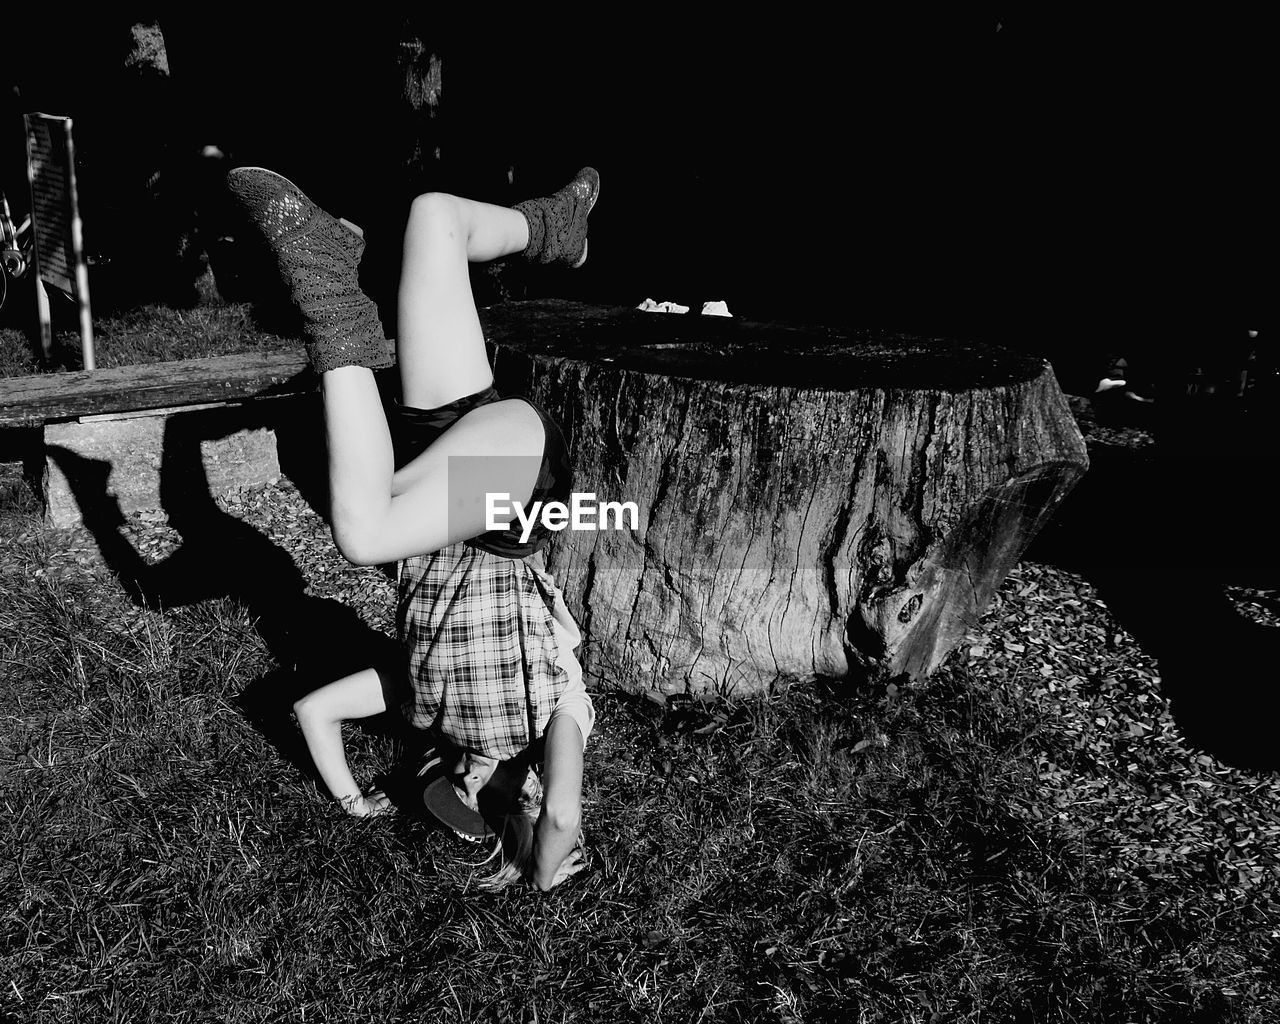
column 130, row 460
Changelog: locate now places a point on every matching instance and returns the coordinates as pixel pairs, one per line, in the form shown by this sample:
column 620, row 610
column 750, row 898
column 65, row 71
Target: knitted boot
column 558, row 223
column 320, row 260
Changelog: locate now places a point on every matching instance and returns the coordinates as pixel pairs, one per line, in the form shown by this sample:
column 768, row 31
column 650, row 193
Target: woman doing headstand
column 488, row 640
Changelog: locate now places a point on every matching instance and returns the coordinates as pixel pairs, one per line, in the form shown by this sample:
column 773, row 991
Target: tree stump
column 812, row 502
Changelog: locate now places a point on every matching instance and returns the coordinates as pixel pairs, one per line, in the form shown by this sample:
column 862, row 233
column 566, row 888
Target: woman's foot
column 558, row 223
column 319, row 258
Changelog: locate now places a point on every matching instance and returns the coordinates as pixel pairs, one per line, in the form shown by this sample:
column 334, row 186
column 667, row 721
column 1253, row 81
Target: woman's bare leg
column 441, row 345
column 371, row 526
column 378, row 516
column 441, row 349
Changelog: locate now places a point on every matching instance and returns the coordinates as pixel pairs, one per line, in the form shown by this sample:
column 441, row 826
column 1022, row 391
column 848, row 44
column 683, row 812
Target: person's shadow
column 1161, row 532
column 312, row 640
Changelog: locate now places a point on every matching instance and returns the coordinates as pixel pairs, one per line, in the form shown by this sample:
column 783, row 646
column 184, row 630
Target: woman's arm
column 556, row 832
column 321, row 714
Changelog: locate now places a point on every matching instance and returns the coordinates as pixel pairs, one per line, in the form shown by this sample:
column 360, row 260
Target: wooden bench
column 120, row 416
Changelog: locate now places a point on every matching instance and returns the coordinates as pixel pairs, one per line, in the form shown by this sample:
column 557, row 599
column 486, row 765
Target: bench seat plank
column 52, row 397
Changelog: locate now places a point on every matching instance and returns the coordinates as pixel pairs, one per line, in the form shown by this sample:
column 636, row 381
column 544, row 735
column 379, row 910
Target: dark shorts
column 414, row 430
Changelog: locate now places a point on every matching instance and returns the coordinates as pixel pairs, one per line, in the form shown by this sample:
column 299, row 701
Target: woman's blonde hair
column 514, row 847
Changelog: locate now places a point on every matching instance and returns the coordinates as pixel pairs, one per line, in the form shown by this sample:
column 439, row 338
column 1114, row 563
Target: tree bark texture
column 812, row 502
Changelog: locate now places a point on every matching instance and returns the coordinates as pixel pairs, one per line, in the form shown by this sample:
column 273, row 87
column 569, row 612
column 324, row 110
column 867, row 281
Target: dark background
column 1074, row 183
column 1079, row 185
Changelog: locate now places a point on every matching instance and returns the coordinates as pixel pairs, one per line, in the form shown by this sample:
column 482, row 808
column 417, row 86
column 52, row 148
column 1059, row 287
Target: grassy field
column 1026, row 839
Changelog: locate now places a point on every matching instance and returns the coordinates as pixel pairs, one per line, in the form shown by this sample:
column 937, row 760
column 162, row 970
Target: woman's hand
column 368, row 805
column 570, row 866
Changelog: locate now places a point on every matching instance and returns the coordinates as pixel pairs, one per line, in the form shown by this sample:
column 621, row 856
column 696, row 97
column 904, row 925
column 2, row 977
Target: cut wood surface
column 50, row 397
column 812, row 502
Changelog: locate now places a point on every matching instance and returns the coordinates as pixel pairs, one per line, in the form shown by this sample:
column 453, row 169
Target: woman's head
column 471, row 773
column 452, row 780
column 511, row 813
column 482, row 798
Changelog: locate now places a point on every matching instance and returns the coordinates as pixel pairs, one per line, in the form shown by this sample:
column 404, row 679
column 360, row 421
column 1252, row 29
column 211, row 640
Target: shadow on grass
column 313, row 640
column 1161, row 531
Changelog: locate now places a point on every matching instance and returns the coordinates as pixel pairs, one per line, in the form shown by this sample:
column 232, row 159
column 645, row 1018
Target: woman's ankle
column 557, row 223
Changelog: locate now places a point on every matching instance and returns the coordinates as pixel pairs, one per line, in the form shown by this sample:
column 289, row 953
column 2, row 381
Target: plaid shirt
column 481, row 647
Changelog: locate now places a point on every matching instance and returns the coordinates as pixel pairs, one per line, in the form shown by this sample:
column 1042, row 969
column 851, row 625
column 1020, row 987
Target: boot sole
column 586, row 242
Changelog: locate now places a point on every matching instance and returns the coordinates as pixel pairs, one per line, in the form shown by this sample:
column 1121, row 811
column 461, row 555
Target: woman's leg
column 442, row 357
column 500, row 448
column 442, row 352
column 441, row 345
column 380, row 515
column 441, row 349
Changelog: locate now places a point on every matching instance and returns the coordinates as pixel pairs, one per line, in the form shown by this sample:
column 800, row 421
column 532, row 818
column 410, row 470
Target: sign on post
column 56, row 226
